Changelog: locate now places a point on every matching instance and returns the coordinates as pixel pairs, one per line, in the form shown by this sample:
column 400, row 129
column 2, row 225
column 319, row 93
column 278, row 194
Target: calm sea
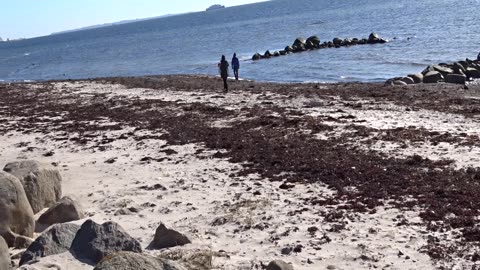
column 421, row 33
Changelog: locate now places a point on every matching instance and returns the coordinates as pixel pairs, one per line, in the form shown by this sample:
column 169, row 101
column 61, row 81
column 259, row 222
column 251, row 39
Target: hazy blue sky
column 31, row 18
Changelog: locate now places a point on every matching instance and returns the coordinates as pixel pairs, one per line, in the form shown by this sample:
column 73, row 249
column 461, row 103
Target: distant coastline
column 215, row 7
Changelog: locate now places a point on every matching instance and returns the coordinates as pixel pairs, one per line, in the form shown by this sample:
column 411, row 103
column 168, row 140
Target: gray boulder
column 93, row 241
column 288, row 49
column 279, row 265
column 433, row 77
column 65, row 210
column 166, row 238
column 458, row 68
column 256, row 56
column 56, row 240
column 16, row 215
column 267, row 54
column 417, row 78
column 399, row 82
column 337, row 41
column 135, row 261
column 407, row 80
column 456, row 78
column 42, row 183
column 472, row 73
column 444, row 70
column 314, row 40
column 299, row 42
column 4, row 255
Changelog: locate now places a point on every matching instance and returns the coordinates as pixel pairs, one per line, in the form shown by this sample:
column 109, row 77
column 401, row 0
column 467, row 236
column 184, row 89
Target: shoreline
column 350, row 175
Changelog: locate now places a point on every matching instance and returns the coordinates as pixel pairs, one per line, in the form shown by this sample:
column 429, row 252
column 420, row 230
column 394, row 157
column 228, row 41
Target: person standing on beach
column 223, row 66
column 478, row 56
column 235, row 65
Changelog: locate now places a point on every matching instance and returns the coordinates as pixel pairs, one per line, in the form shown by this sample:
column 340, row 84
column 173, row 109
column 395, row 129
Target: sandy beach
column 322, row 176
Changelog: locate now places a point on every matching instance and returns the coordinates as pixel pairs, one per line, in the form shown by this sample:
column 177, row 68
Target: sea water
column 420, row 33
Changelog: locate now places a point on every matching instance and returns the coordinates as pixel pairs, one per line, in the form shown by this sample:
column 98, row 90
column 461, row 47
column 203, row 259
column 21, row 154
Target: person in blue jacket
column 235, row 65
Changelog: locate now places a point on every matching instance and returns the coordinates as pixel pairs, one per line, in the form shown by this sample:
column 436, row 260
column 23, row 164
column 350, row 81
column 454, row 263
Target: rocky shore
column 457, row 73
column 167, row 172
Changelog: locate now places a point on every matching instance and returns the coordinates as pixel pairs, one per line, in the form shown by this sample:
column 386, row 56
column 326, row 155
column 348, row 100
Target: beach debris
column 279, row 265
column 57, row 239
column 314, row 43
column 166, row 238
column 16, row 215
column 457, row 73
column 133, row 261
column 63, row 211
column 94, row 242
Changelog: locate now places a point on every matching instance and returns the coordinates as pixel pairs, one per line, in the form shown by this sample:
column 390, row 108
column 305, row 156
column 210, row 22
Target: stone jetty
column 314, row 43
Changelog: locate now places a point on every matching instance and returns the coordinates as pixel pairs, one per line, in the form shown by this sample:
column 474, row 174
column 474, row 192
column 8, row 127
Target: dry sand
column 164, row 168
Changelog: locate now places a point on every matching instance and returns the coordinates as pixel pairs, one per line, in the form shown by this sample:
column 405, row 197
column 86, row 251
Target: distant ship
column 214, row 7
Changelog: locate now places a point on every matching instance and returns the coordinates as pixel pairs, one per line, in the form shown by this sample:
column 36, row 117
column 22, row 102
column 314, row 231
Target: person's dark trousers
column 225, row 85
column 235, row 71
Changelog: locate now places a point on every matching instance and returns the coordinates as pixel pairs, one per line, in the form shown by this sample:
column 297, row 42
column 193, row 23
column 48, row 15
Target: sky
column 33, row 18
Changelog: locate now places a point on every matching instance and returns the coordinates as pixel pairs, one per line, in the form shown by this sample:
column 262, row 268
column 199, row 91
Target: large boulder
column 472, row 73
column 135, row 261
column 433, row 77
column 444, row 70
column 299, row 42
column 16, row 215
column 196, row 258
column 256, row 56
column 4, row 255
column 65, row 210
column 279, row 265
column 456, row 78
column 166, row 238
column 314, row 40
column 373, row 38
column 93, row 241
column 57, row 239
column 42, row 183
column 417, row 78
column 407, row 80
column 337, row 41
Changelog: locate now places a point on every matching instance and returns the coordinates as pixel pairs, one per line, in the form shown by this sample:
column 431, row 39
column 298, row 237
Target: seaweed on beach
column 272, row 140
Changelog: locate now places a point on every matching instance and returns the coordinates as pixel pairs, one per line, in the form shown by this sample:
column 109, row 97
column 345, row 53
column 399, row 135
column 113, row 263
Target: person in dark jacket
column 478, row 57
column 235, row 65
column 223, row 66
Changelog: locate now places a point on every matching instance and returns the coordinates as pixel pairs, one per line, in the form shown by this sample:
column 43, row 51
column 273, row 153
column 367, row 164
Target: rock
column 56, row 240
column 286, row 250
column 94, row 241
column 443, row 70
column 191, row 258
column 276, row 53
column 373, row 38
column 456, row 78
column 399, row 82
column 314, row 40
column 4, row 255
column 279, row 265
column 135, row 261
column 458, row 68
column 337, row 41
column 166, row 238
column 299, row 42
column 417, row 78
column 42, row 183
column 472, row 73
column 256, row 56
column 267, row 54
column 65, row 210
column 433, row 77
column 288, row 49
column 16, row 215
column 407, row 80
column 282, row 52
